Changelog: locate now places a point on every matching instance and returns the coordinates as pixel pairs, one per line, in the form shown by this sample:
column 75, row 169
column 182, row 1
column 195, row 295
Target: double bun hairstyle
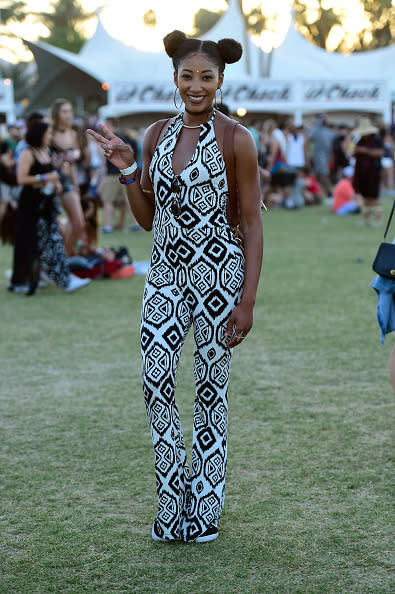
column 178, row 46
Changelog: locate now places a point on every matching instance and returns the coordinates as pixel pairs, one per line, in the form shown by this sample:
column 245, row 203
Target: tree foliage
column 318, row 20
column 382, row 18
column 64, row 22
column 12, row 11
column 255, row 21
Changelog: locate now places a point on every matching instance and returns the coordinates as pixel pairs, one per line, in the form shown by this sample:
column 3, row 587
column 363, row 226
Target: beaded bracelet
column 41, row 177
column 126, row 182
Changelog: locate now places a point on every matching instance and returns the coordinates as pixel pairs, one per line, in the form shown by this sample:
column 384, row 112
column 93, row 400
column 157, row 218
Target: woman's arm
column 247, row 177
column 121, row 155
column 76, row 146
column 87, row 157
column 376, row 153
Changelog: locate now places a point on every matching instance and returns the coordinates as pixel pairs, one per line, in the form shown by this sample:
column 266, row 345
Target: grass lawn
column 308, row 505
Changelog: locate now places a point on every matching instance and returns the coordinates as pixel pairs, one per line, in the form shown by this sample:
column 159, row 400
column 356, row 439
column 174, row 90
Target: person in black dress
column 366, row 182
column 38, row 243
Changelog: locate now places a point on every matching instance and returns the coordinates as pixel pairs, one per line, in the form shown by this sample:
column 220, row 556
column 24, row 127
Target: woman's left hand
column 240, row 322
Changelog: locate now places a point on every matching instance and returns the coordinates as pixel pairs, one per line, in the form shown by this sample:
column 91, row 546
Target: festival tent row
column 303, row 78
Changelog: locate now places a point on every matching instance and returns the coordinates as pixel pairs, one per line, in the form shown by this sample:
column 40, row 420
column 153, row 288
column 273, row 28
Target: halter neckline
column 181, row 116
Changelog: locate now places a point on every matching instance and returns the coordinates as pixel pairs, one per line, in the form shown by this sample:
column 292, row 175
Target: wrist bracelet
column 39, row 177
column 129, row 170
column 126, row 182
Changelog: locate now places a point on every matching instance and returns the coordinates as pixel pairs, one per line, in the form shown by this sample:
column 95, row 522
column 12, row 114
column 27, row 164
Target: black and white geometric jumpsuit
column 195, row 278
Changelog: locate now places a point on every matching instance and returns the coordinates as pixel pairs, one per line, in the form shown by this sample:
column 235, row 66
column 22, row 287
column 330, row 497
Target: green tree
column 12, row 10
column 316, row 24
column 63, row 22
column 382, row 20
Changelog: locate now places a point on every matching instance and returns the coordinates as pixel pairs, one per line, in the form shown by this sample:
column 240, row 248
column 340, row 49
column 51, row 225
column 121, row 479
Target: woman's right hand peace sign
column 116, row 150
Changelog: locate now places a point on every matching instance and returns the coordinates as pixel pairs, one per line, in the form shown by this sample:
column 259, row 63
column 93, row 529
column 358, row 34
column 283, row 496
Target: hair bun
column 230, row 50
column 172, row 42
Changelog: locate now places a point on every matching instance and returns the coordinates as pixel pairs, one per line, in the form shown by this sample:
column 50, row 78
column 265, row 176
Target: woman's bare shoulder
column 26, row 154
column 243, row 134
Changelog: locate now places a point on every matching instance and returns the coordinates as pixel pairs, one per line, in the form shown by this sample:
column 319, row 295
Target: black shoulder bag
column 384, row 262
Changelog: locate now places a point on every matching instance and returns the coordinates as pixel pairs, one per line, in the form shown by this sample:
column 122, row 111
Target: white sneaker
column 44, row 281
column 20, row 289
column 76, row 283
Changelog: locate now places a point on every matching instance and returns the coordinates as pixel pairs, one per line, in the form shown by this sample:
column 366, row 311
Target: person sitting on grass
column 345, row 199
column 312, row 191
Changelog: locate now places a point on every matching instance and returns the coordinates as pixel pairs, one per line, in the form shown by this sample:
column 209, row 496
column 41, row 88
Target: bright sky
column 122, row 20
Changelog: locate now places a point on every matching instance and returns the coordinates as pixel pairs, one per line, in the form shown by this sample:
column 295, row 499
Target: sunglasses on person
column 175, row 207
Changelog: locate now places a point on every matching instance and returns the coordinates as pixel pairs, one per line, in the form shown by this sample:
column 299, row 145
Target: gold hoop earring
column 175, row 97
column 215, row 99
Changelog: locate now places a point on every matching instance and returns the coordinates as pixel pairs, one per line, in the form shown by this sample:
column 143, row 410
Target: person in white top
column 296, row 156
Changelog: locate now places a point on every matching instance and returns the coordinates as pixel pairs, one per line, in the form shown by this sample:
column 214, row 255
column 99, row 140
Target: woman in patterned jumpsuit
column 199, row 276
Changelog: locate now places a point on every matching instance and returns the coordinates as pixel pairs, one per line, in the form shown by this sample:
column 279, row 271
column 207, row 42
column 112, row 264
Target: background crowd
column 53, row 181
column 57, row 191
column 347, row 167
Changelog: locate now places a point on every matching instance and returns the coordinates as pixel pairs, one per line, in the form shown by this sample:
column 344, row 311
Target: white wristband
column 129, row 170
